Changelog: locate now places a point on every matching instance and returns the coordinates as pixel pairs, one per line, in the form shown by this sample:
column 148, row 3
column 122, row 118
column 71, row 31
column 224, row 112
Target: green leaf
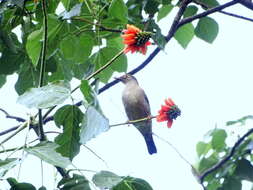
column 207, row 29
column 23, row 186
column 218, row 139
column 46, row 151
column 42, row 188
column 93, row 124
column 202, row 148
column 244, row 170
column 231, row 183
column 118, row 10
column 190, row 11
column 206, row 163
column 89, row 94
column 104, row 56
column 33, row 46
column 46, row 96
column 158, row 37
column 240, row 121
column 77, row 49
column 10, row 62
column 70, row 117
column 209, row 3
column 106, row 179
column 77, row 182
column 66, row 4
column 185, row 34
column 164, row 11
column 115, row 43
column 28, row 77
column 130, row 183
column 2, row 80
column 7, row 164
column 151, row 6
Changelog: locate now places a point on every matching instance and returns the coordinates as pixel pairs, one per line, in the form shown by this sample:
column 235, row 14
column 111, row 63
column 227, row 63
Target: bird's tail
column 150, row 144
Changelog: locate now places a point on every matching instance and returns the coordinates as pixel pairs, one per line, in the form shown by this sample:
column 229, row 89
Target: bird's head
column 127, row 78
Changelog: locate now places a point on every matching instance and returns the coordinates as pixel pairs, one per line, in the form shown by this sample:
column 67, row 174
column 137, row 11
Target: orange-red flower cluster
column 135, row 39
column 168, row 112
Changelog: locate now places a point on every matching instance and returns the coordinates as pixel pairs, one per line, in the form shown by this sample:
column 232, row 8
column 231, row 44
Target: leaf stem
column 101, row 68
column 43, row 66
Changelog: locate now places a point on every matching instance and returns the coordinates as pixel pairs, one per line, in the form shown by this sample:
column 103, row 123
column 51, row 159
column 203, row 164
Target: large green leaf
column 77, row 49
column 151, row 6
column 33, row 46
column 218, row 139
column 157, row 36
column 130, row 183
column 93, row 124
column 207, row 29
column 46, row 151
column 244, row 170
column 118, row 10
column 103, row 56
column 28, row 77
column 106, row 179
column 10, row 62
column 7, row 164
column 70, row 117
column 231, row 183
column 185, row 34
column 202, row 148
column 2, row 80
column 77, row 182
column 209, row 3
column 46, row 96
column 164, row 11
column 190, row 11
column 89, row 94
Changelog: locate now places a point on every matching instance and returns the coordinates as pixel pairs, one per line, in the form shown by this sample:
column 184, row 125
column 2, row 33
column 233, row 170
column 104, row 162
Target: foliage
column 57, row 41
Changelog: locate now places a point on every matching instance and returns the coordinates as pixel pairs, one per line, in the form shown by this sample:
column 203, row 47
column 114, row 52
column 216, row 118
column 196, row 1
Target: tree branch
column 168, row 37
column 7, row 115
column 225, row 159
column 247, row 3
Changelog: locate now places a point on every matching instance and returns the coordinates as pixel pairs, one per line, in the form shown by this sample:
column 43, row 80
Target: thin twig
column 101, row 68
column 7, row 115
column 9, row 130
column 175, row 149
column 23, row 126
column 226, row 158
column 134, row 121
column 205, row 6
column 99, row 157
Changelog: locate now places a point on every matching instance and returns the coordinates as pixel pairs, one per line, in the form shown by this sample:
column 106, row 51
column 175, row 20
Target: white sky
column 211, row 83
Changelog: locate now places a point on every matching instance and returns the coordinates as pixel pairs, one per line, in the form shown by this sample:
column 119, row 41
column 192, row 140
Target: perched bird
column 137, row 107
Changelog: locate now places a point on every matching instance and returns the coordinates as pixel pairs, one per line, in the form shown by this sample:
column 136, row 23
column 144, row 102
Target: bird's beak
column 118, row 78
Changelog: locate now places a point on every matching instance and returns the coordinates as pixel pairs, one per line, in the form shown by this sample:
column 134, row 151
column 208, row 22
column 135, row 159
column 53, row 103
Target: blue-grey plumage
column 137, row 107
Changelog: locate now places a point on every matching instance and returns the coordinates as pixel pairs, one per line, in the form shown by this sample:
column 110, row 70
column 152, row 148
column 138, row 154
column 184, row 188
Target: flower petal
column 169, row 123
column 161, row 117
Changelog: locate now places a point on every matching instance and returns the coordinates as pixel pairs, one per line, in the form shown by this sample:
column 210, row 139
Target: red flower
column 168, row 112
column 135, row 39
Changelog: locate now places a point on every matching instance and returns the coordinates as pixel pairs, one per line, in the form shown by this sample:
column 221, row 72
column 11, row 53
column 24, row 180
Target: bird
column 137, row 106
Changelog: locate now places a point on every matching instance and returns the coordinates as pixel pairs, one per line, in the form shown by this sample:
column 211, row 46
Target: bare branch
column 247, row 3
column 19, row 119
